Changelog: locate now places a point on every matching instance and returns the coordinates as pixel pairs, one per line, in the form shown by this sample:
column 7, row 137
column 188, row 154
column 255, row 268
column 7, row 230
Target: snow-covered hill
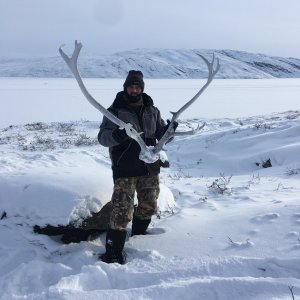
column 157, row 63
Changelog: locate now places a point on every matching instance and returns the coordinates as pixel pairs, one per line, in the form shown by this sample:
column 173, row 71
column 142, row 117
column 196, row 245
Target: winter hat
column 134, row 78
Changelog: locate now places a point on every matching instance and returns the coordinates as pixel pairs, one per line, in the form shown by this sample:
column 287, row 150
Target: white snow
column 227, row 228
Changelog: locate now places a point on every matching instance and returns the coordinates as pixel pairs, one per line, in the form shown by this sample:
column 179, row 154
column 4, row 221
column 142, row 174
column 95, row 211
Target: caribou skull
column 148, row 154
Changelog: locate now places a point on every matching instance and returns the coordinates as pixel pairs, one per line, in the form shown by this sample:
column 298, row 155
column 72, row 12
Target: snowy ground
column 227, row 228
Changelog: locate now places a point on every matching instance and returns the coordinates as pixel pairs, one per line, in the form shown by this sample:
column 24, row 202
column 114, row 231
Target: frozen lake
column 46, row 99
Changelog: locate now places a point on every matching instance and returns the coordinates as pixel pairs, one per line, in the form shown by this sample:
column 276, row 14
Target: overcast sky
column 39, row 27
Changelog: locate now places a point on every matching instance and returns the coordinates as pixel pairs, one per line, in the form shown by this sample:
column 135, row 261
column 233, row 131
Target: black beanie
column 134, row 78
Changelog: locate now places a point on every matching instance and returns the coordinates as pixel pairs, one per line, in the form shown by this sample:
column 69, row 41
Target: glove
column 175, row 125
column 120, row 135
column 164, row 164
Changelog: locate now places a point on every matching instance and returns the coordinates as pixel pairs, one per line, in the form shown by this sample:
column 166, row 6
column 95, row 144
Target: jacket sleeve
column 105, row 137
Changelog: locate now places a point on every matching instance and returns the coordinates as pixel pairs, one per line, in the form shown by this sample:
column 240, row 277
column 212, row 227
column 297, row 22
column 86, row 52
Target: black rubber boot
column 115, row 241
column 139, row 226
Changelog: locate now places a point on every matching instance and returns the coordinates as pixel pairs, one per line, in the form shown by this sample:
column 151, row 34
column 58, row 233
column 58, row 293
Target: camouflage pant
column 147, row 189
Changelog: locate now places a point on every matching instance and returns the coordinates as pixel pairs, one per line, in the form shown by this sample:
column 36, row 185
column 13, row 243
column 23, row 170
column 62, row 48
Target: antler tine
column 71, row 62
column 210, row 65
column 190, row 132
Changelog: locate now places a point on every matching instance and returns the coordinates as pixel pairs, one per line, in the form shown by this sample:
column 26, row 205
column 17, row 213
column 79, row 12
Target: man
column 130, row 174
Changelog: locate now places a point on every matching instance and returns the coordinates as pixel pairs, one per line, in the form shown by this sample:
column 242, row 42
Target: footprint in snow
column 296, row 246
column 240, row 245
column 276, row 201
column 254, row 232
column 270, row 217
column 292, row 234
column 25, row 187
column 297, row 217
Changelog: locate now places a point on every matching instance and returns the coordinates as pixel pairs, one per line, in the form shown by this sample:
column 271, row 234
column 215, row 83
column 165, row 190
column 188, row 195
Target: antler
column 170, row 132
column 145, row 154
column 149, row 154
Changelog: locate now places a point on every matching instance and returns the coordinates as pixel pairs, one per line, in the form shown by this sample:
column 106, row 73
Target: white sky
column 39, row 27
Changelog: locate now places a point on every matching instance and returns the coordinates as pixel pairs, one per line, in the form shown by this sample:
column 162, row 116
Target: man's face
column 134, row 90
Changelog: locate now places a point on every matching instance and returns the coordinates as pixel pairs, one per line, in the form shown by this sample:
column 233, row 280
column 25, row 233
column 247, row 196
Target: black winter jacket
column 125, row 156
